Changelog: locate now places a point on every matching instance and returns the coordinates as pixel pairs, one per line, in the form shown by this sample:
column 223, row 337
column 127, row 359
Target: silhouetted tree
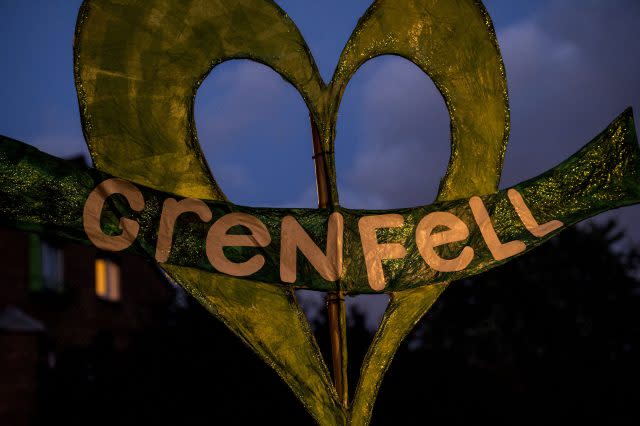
column 553, row 336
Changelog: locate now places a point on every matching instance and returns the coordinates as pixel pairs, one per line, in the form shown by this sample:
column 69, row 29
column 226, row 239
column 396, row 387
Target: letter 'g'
column 93, row 212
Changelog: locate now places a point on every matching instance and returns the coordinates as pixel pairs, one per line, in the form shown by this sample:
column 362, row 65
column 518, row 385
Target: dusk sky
column 572, row 67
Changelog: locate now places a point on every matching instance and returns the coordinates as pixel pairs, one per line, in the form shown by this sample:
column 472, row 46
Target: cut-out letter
column 498, row 250
column 374, row 252
column 294, row 237
column 217, row 239
column 171, row 210
column 527, row 218
column 426, row 241
column 93, row 211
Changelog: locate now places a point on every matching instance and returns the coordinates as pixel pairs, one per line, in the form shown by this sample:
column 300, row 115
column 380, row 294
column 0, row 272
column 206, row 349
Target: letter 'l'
column 499, row 251
column 527, row 218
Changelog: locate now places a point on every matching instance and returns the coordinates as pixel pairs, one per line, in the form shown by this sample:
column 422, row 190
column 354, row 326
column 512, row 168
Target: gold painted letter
column 294, row 237
column 499, row 250
column 217, row 239
column 426, row 241
column 93, row 211
column 527, row 218
column 171, row 209
column 374, row 252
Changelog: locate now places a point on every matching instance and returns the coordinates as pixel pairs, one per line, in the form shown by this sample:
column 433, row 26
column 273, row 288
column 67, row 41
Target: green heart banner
column 356, row 251
column 138, row 66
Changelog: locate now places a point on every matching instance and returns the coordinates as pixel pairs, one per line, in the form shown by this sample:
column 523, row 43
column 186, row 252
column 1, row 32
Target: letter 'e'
column 426, row 241
column 217, row 239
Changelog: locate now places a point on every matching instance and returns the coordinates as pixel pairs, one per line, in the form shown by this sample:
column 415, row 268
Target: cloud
column 232, row 174
column 233, row 99
column 55, row 130
column 402, row 137
column 255, row 133
column 61, row 144
column 308, row 198
column 572, row 67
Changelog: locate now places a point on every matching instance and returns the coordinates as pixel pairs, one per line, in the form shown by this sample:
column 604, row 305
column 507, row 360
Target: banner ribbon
column 366, row 251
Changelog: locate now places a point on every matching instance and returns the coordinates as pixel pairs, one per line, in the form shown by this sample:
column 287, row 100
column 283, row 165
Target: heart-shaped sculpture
column 138, row 66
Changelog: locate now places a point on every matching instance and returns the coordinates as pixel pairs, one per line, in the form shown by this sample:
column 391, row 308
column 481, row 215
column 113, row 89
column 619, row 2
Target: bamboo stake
column 336, row 309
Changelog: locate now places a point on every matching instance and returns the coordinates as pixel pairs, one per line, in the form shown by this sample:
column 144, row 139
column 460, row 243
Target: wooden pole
column 337, row 315
column 336, row 309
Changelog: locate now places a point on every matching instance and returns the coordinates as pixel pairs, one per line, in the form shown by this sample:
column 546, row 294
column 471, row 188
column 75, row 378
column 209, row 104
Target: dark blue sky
column 572, row 66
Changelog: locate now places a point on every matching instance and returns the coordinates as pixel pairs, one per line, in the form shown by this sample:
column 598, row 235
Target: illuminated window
column 107, row 280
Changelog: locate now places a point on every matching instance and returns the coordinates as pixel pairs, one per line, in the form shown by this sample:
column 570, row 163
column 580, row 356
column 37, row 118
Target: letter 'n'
column 294, row 237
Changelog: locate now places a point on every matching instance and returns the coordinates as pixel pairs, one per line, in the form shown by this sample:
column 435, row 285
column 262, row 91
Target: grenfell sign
column 138, row 66
column 357, row 251
column 294, row 238
column 315, row 249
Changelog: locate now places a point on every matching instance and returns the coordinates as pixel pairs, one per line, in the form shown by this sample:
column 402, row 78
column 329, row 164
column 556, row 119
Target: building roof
column 14, row 319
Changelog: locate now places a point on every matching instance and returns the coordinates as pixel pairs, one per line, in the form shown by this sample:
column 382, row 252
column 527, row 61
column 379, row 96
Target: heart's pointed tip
column 626, row 120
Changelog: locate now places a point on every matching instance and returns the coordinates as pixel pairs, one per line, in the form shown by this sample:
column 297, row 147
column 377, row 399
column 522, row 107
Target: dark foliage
column 551, row 337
